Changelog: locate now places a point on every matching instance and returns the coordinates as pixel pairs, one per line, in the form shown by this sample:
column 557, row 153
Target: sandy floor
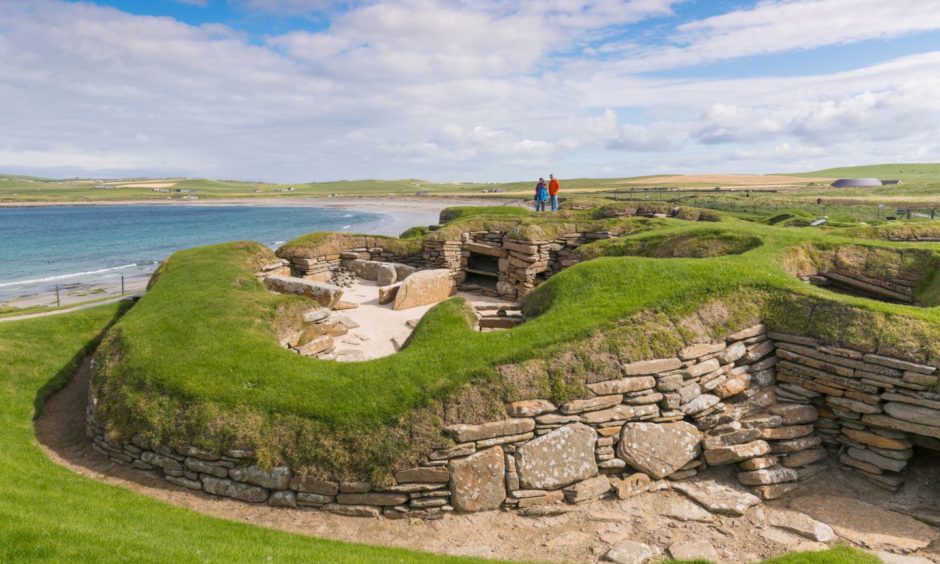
column 380, row 326
column 583, row 534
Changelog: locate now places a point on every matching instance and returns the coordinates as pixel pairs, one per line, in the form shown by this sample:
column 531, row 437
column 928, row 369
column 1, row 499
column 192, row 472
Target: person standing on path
column 541, row 195
column 553, row 187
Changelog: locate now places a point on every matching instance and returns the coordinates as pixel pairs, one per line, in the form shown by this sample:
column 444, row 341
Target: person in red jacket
column 553, row 187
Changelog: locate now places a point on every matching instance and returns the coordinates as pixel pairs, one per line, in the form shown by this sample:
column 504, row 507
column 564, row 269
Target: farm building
column 856, row 182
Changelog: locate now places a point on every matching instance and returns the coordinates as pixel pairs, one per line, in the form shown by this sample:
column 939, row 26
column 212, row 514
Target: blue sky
column 295, row 90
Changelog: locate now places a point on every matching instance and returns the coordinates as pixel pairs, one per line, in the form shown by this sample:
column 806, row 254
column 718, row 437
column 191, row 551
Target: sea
column 45, row 247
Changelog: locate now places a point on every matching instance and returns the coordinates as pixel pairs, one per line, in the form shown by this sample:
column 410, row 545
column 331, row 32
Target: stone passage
column 775, row 405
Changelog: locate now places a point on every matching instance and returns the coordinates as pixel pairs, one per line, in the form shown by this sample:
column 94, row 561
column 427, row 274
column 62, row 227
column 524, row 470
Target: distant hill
column 908, row 172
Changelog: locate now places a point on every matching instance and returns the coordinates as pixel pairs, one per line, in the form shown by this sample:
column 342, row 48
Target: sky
column 464, row 90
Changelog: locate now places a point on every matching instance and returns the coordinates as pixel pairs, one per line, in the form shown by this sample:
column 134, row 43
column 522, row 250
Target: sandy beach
column 398, row 215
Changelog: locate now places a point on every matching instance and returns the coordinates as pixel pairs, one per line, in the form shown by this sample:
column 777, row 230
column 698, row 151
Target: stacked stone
column 894, row 289
column 565, row 255
column 734, row 376
column 280, row 267
column 444, row 254
column 869, row 404
column 418, row 492
column 794, row 454
column 317, row 268
column 525, row 262
column 343, row 278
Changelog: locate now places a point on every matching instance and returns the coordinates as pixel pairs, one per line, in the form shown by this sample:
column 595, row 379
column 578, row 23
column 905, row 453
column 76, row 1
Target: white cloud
column 447, row 90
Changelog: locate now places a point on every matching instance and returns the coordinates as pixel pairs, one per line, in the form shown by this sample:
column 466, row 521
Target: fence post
column 58, row 302
column 122, row 284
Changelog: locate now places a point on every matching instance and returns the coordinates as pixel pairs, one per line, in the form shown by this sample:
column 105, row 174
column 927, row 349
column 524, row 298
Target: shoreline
column 342, row 202
column 397, row 215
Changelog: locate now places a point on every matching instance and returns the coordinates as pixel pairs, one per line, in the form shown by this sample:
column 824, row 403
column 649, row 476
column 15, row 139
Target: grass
column 50, row 514
column 907, row 172
column 197, row 360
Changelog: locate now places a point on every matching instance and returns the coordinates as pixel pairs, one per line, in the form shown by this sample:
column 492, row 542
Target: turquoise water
column 41, row 247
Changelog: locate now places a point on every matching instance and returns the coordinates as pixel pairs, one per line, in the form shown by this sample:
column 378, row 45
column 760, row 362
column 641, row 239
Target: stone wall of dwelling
column 523, row 264
column 321, row 267
column 872, row 408
column 775, row 405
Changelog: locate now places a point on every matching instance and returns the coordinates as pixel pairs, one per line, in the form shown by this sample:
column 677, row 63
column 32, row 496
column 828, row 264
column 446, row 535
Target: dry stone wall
column 775, row 405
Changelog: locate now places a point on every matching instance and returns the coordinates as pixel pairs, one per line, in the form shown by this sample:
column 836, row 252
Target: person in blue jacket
column 541, row 195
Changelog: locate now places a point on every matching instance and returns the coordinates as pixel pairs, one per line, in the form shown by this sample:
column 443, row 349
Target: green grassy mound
column 51, row 514
column 197, row 360
column 700, row 243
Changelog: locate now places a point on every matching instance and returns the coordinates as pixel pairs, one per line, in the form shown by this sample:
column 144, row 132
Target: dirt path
column 583, row 534
column 68, row 310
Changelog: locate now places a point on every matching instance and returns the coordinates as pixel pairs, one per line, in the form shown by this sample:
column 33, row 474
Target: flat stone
column 794, row 445
column 882, row 462
column 274, row 479
column 758, row 463
column 684, row 510
column 592, row 488
column 304, row 498
column 529, row 408
column 702, row 368
column 692, row 352
column 477, row 482
column 423, row 474
column 283, row 499
column 901, row 425
column 689, row 392
column 468, row 433
column 731, row 438
column 316, row 315
column 854, row 405
column 876, row 440
column 354, row 486
column 914, row 414
column 794, row 414
column 736, row 453
column 383, row 499
column 699, row 404
column 767, row 476
column 748, row 333
column 213, row 469
column 659, row 449
column 557, row 459
column 623, row 385
column 236, row 490
column 591, row 404
column 654, row 366
column 733, row 353
column 717, row 498
column 327, row 295
column 693, row 550
column 631, row 552
column 316, row 345
column 309, row 484
column 804, row 457
column 865, row 524
column 620, row 412
column 786, row 432
column 365, row 269
column 801, row 524
column 353, row 510
column 424, row 287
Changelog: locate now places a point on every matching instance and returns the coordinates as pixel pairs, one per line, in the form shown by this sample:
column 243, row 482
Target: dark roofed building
column 856, row 183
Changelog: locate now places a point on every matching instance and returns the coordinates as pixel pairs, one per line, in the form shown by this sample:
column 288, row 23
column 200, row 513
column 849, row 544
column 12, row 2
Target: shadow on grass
column 62, row 377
